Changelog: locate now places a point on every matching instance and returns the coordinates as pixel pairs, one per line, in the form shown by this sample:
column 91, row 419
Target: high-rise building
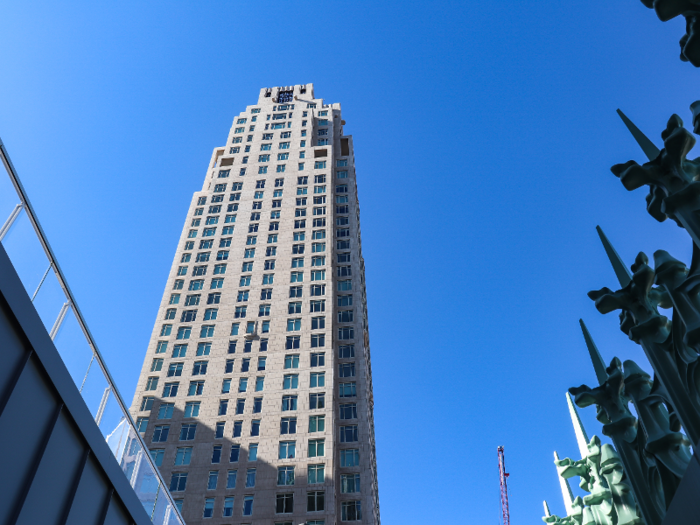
column 255, row 396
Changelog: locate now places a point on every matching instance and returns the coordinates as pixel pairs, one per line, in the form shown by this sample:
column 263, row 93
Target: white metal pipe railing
column 71, row 303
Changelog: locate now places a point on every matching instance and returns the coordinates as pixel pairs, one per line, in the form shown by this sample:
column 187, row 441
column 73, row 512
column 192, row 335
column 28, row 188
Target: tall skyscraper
column 255, row 396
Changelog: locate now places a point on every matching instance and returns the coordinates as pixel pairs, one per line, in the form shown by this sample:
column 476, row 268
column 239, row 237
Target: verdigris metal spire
column 581, row 436
column 596, row 359
column 623, row 274
column 648, row 147
column 566, row 493
column 547, row 514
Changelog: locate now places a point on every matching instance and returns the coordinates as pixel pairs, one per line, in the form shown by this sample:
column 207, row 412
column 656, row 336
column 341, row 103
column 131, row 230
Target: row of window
column 350, row 510
column 290, row 381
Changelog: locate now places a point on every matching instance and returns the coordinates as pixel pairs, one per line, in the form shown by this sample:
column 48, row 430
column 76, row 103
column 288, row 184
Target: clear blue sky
column 484, row 133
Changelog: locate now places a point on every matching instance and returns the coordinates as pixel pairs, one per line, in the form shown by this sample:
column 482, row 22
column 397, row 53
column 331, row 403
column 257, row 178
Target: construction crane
column 503, row 475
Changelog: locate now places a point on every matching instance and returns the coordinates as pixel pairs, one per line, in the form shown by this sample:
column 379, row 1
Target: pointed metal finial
column 621, row 271
column 648, row 147
column 596, row 359
column 566, row 493
column 547, row 514
column 581, row 436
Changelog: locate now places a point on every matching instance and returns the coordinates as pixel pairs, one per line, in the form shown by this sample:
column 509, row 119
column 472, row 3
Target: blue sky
column 484, row 133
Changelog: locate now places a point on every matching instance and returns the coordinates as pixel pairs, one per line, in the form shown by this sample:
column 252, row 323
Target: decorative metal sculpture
column 690, row 10
column 652, row 448
column 610, row 500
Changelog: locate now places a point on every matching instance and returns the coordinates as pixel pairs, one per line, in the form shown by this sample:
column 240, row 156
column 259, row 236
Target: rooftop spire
column 648, row 147
column 566, row 493
column 621, row 271
column 581, row 437
column 596, row 359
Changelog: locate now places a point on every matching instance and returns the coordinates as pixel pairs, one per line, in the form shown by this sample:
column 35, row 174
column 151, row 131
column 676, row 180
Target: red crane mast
column 503, row 475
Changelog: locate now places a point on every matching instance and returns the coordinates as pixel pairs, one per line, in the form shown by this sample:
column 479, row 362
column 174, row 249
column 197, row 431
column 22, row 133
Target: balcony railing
column 26, row 244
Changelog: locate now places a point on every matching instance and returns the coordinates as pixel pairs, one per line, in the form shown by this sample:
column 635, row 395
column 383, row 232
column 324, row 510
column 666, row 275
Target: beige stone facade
column 267, row 292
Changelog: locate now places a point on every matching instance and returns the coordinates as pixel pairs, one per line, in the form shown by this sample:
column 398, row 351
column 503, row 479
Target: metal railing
column 48, row 288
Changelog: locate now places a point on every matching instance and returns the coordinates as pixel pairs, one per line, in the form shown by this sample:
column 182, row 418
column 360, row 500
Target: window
column 240, row 312
column 318, row 247
column 318, row 359
column 147, row 403
column 346, row 332
column 141, row 424
column 207, row 330
column 317, row 423
column 317, row 448
column 318, row 275
column 219, row 432
column 319, row 189
column 315, row 501
column 152, row 383
column 346, row 370
column 228, row 506
column 299, row 236
column 157, row 456
column 261, row 363
column 242, row 295
column 289, row 403
column 348, row 433
column 203, row 349
column 250, row 478
column 285, row 476
column 300, row 224
column 226, row 386
column 318, row 379
column 290, row 381
column 166, row 330
column 297, row 277
column 248, row 505
column 247, row 267
column 210, row 314
column 178, row 481
column 291, row 361
column 257, row 405
column 192, row 300
column 160, row 433
column 294, row 308
column 287, row 450
column 196, row 284
column 271, row 238
column 319, row 164
column 279, row 183
column 268, row 278
column 342, row 174
column 295, row 291
column 232, row 344
column 231, row 479
column 259, row 384
column 285, row 503
column 192, row 409
column 179, row 350
column 350, row 457
column 188, row 431
column 288, row 425
column 348, row 411
column 317, row 400
column 170, row 389
column 196, row 388
column 269, row 264
column 188, row 316
column 350, row 511
column 293, row 325
column 255, row 427
column 237, row 428
column 347, row 389
column 242, row 384
column 235, row 450
column 175, row 369
column 223, row 407
column 292, row 342
column 211, row 485
column 156, row 365
column 318, row 323
column 263, row 310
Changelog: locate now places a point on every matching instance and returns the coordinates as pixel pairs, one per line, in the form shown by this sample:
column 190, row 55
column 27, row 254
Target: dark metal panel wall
column 57, row 468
